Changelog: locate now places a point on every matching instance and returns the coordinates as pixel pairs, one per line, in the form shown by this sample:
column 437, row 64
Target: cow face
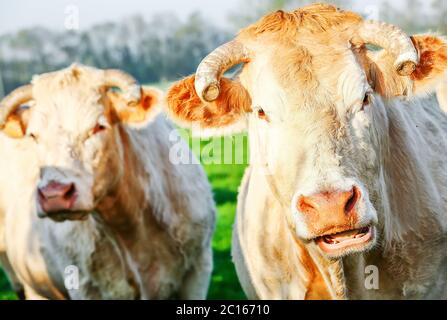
column 318, row 141
column 313, row 103
column 78, row 134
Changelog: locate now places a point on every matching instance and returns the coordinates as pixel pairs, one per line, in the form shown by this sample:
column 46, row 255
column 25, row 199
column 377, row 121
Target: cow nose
column 57, row 196
column 333, row 204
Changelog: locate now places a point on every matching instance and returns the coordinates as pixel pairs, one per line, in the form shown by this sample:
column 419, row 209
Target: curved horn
column 13, row 100
column 214, row 65
column 128, row 84
column 394, row 40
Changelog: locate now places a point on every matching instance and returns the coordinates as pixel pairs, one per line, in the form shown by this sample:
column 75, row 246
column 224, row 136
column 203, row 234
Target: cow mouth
column 353, row 240
column 61, row 216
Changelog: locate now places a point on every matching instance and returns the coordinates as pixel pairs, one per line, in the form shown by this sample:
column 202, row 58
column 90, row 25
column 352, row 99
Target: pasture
column 225, row 180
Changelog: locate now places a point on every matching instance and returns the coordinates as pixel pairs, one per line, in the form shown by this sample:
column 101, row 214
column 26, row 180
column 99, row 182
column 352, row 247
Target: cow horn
column 128, row 84
column 13, row 100
column 214, row 65
column 394, row 40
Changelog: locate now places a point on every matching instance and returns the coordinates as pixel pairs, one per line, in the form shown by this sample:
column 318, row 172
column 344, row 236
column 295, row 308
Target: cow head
column 312, row 94
column 77, row 128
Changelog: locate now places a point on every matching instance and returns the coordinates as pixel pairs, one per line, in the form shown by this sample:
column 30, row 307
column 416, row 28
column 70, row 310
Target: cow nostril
column 352, row 200
column 304, row 205
column 40, row 193
column 70, row 192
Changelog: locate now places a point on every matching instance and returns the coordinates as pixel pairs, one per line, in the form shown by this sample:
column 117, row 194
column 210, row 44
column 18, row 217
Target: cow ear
column 140, row 114
column 430, row 71
column 432, row 67
column 16, row 123
column 225, row 114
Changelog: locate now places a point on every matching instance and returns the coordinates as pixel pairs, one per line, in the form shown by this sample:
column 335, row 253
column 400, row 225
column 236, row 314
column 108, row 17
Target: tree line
column 160, row 48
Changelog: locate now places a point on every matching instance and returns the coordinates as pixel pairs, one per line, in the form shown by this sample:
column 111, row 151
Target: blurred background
column 158, row 42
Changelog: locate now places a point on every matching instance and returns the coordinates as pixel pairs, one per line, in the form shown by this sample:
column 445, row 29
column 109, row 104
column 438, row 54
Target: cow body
column 165, row 253
column 273, row 264
column 148, row 236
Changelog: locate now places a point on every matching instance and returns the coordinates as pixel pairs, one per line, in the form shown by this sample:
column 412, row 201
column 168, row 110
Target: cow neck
column 129, row 218
column 331, row 270
column 122, row 209
column 402, row 163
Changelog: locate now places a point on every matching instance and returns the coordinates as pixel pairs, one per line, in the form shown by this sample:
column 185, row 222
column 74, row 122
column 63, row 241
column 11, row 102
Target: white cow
column 95, row 209
column 346, row 193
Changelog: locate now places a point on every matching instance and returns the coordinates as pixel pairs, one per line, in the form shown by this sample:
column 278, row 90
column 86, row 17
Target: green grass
column 5, row 289
column 225, row 180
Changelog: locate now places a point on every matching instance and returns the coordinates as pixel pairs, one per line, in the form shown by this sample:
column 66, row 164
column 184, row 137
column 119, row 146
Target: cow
column 345, row 196
column 96, row 208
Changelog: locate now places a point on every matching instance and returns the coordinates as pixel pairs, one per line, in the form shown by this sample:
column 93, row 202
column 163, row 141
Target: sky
column 19, row 14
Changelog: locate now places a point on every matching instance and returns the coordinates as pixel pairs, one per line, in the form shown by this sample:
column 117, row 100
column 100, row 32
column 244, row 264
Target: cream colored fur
column 411, row 252
column 149, row 232
column 394, row 150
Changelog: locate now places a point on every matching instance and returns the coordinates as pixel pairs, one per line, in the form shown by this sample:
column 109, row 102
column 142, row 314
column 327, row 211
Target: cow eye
column 33, row 136
column 261, row 114
column 98, row 128
column 366, row 100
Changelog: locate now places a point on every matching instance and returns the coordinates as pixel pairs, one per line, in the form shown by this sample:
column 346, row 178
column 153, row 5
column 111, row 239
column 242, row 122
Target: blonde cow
column 95, row 207
column 346, row 193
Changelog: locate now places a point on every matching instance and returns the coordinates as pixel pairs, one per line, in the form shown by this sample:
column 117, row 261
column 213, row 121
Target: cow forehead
column 70, row 99
column 82, row 79
column 308, row 51
column 307, row 76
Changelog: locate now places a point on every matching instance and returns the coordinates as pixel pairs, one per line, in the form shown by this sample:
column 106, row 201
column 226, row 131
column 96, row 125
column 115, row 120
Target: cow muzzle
column 335, row 223
column 57, row 201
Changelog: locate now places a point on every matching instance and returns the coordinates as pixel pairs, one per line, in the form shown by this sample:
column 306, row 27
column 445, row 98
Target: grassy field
column 225, row 179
